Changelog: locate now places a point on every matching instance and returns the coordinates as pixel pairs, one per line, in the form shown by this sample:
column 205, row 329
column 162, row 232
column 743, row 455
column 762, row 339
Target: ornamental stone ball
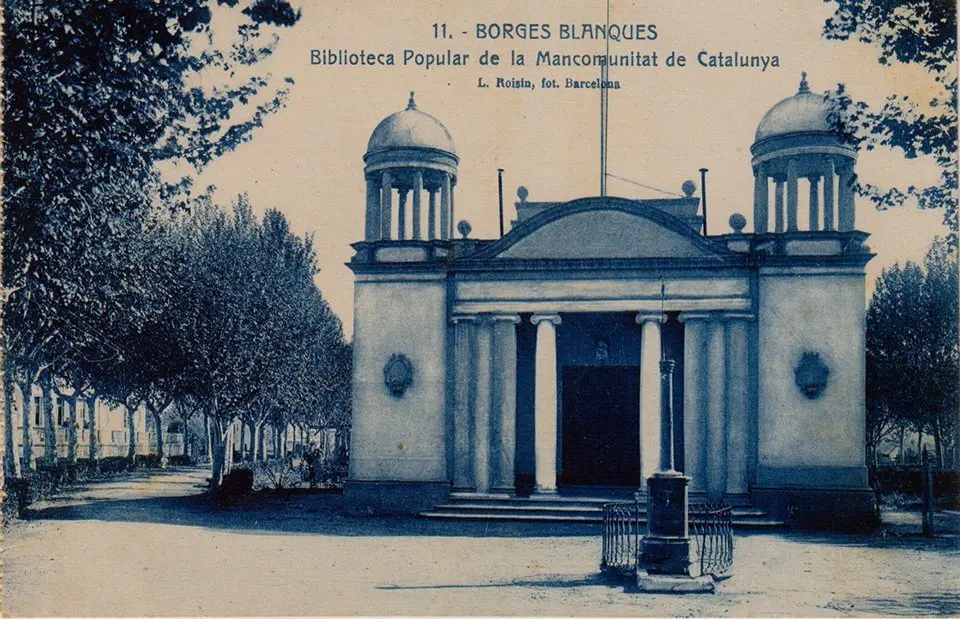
column 688, row 187
column 522, row 193
column 738, row 222
column 464, row 228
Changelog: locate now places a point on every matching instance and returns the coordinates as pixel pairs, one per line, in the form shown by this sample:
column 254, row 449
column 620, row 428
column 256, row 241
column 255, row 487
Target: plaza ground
column 148, row 545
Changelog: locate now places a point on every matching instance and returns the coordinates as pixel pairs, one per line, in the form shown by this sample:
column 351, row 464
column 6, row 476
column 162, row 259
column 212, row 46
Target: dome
column 804, row 112
column 410, row 128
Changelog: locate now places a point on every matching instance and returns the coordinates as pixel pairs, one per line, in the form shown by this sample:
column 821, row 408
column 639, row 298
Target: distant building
column 530, row 362
column 111, row 426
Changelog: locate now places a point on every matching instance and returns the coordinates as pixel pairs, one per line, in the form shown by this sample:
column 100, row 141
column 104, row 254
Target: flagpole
column 604, row 109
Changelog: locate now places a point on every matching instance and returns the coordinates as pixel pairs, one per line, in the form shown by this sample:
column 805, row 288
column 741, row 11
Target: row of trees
column 119, row 282
column 913, row 356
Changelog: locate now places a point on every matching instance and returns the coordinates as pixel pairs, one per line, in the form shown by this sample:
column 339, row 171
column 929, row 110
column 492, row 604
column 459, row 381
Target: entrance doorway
column 600, row 444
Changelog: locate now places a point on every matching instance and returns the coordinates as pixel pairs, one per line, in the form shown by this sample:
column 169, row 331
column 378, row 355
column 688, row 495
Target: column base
column 509, row 491
column 670, row 583
column 665, row 555
column 545, row 492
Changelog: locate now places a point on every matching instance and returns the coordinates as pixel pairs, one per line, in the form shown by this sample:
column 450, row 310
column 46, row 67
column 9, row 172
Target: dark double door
column 600, row 432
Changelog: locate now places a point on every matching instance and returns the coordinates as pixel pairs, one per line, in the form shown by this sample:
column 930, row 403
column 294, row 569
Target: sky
column 665, row 123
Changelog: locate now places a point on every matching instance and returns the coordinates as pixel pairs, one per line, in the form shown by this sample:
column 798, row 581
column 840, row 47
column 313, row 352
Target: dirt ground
column 149, row 546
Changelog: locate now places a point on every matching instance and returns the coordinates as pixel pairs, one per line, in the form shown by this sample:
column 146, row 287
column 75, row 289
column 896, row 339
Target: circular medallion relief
column 398, row 374
column 811, row 375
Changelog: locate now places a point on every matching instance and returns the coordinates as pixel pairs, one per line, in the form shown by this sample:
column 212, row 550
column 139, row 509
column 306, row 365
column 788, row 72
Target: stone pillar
column 846, row 213
column 739, row 398
column 778, row 206
column 386, row 205
column 650, row 352
column 402, row 214
column 694, row 391
column 417, row 191
column 792, row 195
column 504, row 401
column 814, row 203
column 445, row 206
column 761, row 200
column 372, row 223
column 545, row 411
column 481, row 411
column 451, row 234
column 464, row 355
column 716, row 439
column 828, row 195
column 432, row 215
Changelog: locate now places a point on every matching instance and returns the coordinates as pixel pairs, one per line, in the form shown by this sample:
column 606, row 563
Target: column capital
column 643, row 317
column 699, row 315
column 514, row 318
column 736, row 316
column 457, row 318
column 538, row 318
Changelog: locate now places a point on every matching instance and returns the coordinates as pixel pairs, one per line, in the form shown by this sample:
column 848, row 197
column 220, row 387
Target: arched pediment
column 602, row 228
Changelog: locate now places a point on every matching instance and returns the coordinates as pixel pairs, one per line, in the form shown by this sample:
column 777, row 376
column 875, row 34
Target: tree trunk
column 186, row 436
column 50, row 431
column 158, row 425
column 903, row 455
column 92, row 412
column 206, row 429
column 257, row 436
column 938, row 446
column 218, row 456
column 132, row 435
column 72, row 428
column 9, row 445
column 26, row 463
column 919, row 442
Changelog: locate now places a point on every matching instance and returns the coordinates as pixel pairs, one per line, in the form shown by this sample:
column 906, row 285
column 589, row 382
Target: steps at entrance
column 583, row 510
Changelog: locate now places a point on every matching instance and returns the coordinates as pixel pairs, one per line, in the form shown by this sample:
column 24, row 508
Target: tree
column 912, row 32
column 913, row 354
column 97, row 99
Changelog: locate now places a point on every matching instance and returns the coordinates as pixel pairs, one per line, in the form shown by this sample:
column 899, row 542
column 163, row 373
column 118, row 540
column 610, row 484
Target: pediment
column 597, row 228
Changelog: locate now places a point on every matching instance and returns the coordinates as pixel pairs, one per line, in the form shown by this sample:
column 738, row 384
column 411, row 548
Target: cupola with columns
column 408, row 153
column 795, row 141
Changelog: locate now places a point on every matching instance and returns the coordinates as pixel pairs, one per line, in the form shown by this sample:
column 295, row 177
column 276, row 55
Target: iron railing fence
column 621, row 538
column 711, row 527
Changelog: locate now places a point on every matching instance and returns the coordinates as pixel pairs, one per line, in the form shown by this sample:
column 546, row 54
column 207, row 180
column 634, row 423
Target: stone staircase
column 560, row 508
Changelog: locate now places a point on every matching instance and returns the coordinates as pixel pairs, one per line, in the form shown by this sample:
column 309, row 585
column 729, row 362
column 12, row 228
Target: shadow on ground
column 181, row 502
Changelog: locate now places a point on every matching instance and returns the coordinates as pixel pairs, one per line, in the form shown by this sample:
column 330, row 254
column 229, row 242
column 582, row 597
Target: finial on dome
column 804, row 86
column 412, row 105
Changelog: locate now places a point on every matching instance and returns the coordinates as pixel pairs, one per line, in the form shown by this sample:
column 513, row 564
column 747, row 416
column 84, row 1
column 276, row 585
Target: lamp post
column 664, row 561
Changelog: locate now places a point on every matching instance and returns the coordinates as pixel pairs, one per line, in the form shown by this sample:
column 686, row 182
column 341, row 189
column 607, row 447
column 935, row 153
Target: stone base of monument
column 673, row 583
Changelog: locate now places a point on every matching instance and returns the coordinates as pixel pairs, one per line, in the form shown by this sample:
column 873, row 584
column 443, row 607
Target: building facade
column 529, row 364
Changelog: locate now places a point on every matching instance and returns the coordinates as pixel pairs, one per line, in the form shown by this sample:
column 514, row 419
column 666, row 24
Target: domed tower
column 794, row 140
column 410, row 151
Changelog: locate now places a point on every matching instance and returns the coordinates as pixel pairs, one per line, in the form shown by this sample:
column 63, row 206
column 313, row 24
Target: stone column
column 417, row 191
column 716, row 439
column 445, row 206
column 650, row 352
column 432, row 215
column 739, row 398
column 778, row 206
column 792, row 195
column 761, row 200
column 694, row 391
column 814, row 203
column 386, row 205
column 504, row 401
column 372, row 223
column 452, row 234
column 464, row 355
column 828, row 195
column 402, row 214
column 846, row 214
column 545, row 411
column 481, row 411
